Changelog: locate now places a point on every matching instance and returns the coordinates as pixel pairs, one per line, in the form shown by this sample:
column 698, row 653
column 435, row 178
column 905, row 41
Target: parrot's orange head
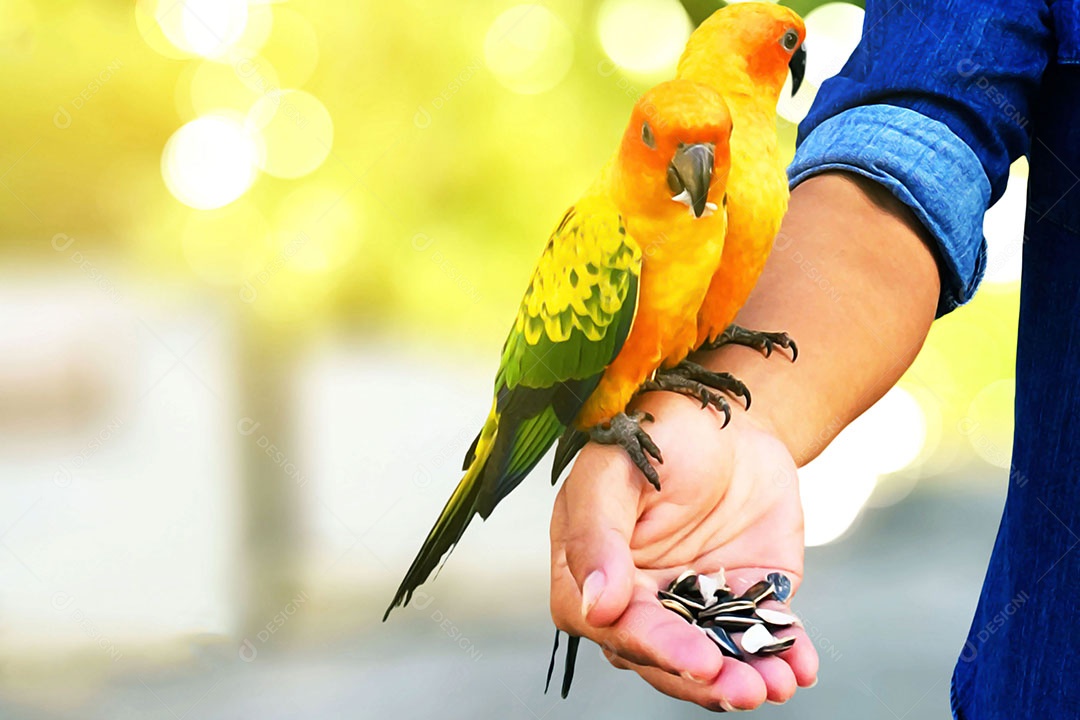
column 746, row 47
column 676, row 149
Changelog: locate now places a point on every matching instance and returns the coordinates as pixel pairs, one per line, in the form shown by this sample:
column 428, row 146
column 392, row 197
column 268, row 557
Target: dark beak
column 798, row 68
column 690, row 172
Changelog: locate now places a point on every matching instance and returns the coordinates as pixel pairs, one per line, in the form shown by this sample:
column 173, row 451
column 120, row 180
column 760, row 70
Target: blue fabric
column 926, row 167
column 1003, row 78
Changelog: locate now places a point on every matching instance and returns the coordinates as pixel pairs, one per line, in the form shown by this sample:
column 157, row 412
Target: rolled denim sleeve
column 924, row 165
column 934, row 105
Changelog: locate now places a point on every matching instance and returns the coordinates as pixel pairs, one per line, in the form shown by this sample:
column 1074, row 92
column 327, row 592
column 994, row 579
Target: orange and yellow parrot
column 744, row 51
column 614, row 296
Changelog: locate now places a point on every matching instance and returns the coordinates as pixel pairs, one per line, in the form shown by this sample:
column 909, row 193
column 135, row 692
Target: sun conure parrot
column 614, row 295
column 745, row 51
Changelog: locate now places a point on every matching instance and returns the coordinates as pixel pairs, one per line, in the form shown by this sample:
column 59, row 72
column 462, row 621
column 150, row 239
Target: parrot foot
column 700, row 379
column 674, row 381
column 625, row 431
column 763, row 341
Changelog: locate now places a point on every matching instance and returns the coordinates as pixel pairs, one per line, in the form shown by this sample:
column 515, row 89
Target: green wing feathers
column 577, row 309
column 572, row 322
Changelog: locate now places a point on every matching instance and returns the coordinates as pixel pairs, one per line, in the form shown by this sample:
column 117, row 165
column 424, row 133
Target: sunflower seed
column 759, row 591
column 734, row 623
column 732, row 607
column 707, row 586
column 724, row 641
column 691, row 605
column 779, row 646
column 775, row 617
column 759, row 641
column 782, row 584
column 756, row 638
column 721, row 596
column 677, row 607
column 686, row 585
column 742, row 608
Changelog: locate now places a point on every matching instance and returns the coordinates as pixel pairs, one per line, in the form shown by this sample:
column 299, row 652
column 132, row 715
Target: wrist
column 771, row 410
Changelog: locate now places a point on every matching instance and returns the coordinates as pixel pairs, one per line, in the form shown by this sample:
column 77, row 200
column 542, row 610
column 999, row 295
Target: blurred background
column 257, row 262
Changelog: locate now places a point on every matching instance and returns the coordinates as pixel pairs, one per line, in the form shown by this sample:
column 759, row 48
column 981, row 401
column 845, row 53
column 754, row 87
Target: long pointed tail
column 454, row 518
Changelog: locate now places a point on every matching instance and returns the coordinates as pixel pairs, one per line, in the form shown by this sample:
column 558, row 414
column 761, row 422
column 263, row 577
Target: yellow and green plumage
column 573, row 321
column 599, row 315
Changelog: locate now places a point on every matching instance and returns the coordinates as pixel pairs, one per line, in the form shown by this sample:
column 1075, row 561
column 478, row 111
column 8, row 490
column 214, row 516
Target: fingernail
column 591, row 591
column 693, row 678
column 728, row 707
column 813, row 683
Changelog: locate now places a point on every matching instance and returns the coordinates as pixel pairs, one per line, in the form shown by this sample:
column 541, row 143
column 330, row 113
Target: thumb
column 602, row 497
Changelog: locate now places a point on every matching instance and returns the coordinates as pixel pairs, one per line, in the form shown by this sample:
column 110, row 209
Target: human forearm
column 854, row 282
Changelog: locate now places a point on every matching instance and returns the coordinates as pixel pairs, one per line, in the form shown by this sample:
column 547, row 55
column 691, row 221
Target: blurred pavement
column 889, row 606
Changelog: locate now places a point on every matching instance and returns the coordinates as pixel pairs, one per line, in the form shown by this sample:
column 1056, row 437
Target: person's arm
column 911, row 141
column 729, row 495
column 919, row 116
column 853, row 280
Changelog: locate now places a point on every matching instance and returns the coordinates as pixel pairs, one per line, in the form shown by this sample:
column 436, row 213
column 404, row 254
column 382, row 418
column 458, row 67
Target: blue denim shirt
column 935, row 103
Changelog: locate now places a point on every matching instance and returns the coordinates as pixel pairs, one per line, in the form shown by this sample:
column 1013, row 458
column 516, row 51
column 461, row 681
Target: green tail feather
column 453, row 520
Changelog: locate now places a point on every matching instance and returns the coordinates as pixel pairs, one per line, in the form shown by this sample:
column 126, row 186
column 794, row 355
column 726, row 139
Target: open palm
column 729, row 500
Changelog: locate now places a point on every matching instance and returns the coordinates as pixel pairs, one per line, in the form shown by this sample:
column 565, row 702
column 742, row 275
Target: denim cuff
column 925, row 166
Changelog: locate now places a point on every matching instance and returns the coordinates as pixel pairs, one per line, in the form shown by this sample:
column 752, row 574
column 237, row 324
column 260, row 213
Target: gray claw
column 698, row 376
column 625, row 431
column 764, row 342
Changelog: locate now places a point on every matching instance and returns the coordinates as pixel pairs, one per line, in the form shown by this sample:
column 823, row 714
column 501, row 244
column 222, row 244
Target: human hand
column 729, row 499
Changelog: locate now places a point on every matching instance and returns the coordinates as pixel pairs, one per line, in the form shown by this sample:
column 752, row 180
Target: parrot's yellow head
column 746, row 48
column 675, row 152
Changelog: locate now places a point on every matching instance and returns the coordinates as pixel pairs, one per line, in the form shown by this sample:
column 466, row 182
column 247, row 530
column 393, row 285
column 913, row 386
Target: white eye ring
column 790, row 41
column 647, row 135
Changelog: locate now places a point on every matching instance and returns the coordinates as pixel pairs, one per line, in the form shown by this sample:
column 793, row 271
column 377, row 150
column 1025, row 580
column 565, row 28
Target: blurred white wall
column 117, row 470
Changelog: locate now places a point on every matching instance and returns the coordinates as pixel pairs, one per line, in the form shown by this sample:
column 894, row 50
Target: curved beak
column 798, row 68
column 690, row 175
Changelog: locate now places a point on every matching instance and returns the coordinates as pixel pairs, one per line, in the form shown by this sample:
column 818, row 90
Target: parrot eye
column 790, row 41
column 647, row 136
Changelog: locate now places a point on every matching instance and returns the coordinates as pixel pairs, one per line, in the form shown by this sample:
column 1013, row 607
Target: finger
column 738, row 686
column 779, row 679
column 646, row 634
column 601, row 495
column 802, row 658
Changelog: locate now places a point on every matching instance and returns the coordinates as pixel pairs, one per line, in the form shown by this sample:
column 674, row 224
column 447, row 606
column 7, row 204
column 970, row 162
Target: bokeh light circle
column 295, row 132
column 644, row 36
column 890, row 435
column 832, row 32
column 529, row 49
column 833, row 491
column 209, row 162
column 1003, row 227
column 203, row 27
column 260, row 23
column 794, row 108
column 146, row 20
column 837, row 485
column 212, row 87
column 988, row 425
